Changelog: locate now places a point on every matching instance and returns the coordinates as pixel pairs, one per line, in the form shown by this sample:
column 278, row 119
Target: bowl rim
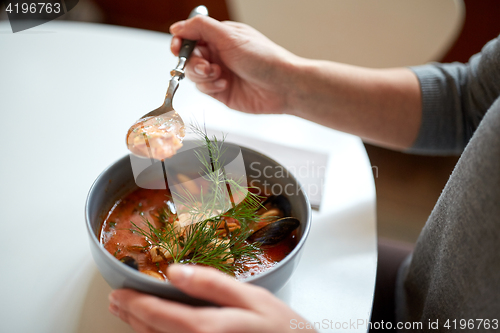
column 117, row 265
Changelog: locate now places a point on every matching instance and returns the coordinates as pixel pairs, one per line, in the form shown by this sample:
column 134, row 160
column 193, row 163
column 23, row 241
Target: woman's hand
column 236, row 64
column 244, row 308
column 246, row 71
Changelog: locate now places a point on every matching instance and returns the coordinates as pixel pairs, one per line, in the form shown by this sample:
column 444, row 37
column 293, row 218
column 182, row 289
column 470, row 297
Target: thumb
column 212, row 285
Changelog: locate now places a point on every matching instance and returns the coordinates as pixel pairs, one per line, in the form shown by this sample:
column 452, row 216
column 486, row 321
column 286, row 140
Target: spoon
column 159, row 133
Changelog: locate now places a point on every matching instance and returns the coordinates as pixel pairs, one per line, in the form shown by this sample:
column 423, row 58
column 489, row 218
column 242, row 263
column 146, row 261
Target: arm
column 243, row 69
column 455, row 98
column 382, row 106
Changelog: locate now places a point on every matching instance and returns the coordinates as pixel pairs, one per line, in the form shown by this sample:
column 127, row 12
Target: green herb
column 164, row 215
column 200, row 241
column 202, row 245
column 112, row 224
column 214, row 199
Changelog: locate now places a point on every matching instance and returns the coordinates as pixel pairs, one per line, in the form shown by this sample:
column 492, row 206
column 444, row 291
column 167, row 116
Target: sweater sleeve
column 455, row 98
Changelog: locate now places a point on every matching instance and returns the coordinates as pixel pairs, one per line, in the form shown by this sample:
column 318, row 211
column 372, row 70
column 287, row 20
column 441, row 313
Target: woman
column 454, row 270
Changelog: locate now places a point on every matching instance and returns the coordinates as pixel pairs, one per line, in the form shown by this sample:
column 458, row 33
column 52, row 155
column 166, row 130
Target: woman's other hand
column 244, row 307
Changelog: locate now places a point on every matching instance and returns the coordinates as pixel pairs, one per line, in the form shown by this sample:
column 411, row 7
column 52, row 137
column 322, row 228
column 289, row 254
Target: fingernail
column 200, row 69
column 220, row 83
column 112, row 299
column 180, row 274
column 174, row 28
column 114, row 310
column 174, row 42
column 211, row 71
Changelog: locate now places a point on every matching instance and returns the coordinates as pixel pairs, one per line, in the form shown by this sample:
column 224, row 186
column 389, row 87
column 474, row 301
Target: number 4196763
column 471, row 324
column 34, row 8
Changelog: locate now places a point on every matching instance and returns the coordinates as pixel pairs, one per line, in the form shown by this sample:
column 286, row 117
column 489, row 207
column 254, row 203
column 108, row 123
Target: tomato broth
column 120, row 238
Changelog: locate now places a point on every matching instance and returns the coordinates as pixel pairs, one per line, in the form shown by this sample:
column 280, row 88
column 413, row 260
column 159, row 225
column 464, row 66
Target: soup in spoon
column 157, row 137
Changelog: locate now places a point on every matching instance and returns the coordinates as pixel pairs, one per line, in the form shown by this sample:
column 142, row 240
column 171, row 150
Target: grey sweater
column 454, row 271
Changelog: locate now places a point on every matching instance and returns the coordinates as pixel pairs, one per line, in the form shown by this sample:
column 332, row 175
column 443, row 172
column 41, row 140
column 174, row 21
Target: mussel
column 279, row 208
column 280, row 202
column 130, row 262
column 274, row 232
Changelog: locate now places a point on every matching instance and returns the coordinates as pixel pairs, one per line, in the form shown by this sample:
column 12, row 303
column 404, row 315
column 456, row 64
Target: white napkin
column 309, row 167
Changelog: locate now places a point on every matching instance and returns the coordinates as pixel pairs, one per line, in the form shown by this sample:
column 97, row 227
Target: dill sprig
column 225, row 197
column 200, row 243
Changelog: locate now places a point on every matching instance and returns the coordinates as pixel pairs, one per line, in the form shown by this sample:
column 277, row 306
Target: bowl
column 123, row 176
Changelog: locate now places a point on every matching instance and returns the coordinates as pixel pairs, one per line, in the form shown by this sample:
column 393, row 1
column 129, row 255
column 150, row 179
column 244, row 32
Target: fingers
column 206, row 75
column 164, row 316
column 150, row 314
column 139, row 326
column 212, row 36
column 216, row 287
column 212, row 88
column 175, row 45
column 202, row 28
column 200, row 70
column 146, row 313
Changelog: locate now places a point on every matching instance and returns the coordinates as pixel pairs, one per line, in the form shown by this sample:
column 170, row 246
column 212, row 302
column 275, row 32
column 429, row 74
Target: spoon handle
column 188, row 45
column 187, row 48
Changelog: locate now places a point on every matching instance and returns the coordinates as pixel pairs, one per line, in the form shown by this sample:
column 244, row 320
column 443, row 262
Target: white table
column 61, row 81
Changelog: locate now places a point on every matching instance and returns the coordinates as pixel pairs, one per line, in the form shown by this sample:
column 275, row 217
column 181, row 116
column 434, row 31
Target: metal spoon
column 159, row 133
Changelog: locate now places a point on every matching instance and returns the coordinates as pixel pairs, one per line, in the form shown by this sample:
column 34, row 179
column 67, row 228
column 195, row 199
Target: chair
column 382, row 33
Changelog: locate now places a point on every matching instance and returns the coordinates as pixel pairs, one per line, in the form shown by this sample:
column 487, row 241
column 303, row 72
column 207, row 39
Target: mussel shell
column 281, row 202
column 130, row 262
column 274, row 232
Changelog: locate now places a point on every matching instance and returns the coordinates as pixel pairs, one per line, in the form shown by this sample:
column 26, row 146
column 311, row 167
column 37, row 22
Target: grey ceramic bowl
column 118, row 180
